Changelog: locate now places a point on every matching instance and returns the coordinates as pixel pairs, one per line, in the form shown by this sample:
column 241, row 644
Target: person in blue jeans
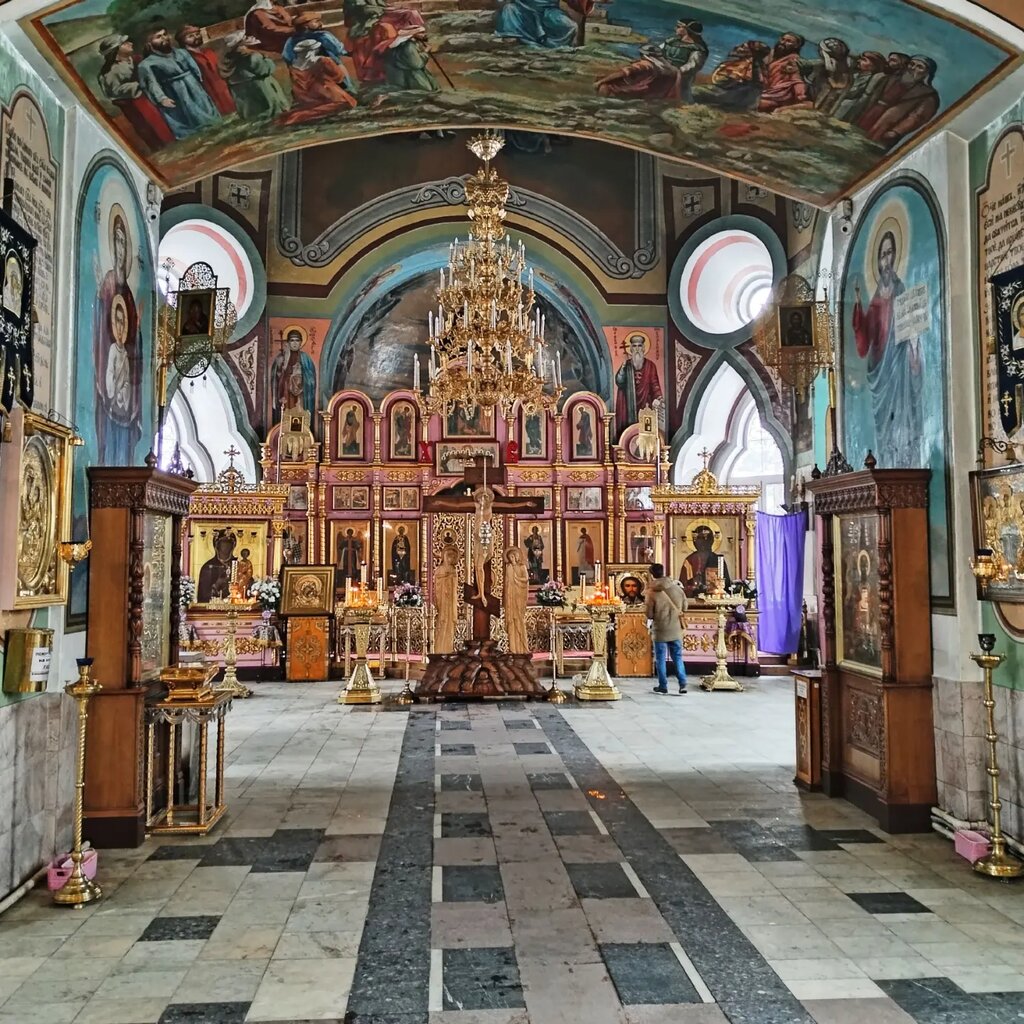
column 666, row 603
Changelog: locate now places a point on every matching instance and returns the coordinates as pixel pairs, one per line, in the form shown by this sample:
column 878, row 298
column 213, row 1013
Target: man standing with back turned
column 666, row 602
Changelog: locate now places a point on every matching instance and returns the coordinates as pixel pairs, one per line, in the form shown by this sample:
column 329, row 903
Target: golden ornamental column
column 377, row 417
column 277, row 527
column 556, row 498
column 620, row 520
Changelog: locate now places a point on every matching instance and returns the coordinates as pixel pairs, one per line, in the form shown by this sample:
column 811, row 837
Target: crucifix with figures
column 479, row 478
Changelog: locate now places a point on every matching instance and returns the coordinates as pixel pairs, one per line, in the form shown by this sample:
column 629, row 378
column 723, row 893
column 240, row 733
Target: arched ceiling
column 798, row 96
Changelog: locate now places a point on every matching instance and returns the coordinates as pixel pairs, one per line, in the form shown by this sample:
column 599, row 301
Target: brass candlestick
column 407, row 696
column 230, row 683
column 720, row 678
column 999, row 863
column 554, row 695
column 598, row 684
column 79, row 890
column 361, row 687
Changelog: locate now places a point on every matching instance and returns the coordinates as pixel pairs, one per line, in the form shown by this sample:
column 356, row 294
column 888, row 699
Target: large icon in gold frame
column 43, row 513
column 705, row 551
column 307, row 589
column 220, row 546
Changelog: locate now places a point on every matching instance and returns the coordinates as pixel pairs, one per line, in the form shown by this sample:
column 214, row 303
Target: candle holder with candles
column 601, row 603
column 362, row 603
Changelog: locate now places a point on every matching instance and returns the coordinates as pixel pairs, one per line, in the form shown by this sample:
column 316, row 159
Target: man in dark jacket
column 666, row 602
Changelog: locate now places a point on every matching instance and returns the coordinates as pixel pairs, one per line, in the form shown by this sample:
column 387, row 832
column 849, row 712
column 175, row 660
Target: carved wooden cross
column 485, row 605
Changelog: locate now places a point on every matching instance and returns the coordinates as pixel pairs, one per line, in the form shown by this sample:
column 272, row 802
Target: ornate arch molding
column 239, row 407
column 762, row 399
column 578, row 304
column 323, row 250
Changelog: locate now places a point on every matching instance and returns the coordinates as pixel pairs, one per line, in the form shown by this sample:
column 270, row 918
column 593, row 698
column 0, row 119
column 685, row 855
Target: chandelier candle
column 486, row 338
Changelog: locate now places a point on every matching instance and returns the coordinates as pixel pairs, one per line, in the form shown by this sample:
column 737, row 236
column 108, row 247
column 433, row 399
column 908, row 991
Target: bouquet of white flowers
column 551, row 594
column 267, row 591
column 186, row 591
column 408, row 595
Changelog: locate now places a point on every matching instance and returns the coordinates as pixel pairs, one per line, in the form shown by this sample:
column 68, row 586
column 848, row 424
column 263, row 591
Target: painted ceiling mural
column 807, row 97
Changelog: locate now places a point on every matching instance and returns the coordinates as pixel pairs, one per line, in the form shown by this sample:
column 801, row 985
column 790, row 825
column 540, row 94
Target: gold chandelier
column 486, row 337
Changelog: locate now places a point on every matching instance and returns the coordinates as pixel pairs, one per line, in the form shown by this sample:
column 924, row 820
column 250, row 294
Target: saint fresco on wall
column 819, row 99
column 113, row 326
column 894, row 352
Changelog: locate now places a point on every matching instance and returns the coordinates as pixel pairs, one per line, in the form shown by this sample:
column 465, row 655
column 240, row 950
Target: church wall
column 351, row 257
column 37, row 733
column 942, row 164
column 996, row 177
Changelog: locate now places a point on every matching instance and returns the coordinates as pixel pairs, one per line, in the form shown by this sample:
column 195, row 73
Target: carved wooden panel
column 308, row 648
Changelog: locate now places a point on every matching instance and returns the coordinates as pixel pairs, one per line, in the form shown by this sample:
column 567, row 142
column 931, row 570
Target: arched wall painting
column 376, row 354
column 773, row 91
column 894, row 354
column 114, row 342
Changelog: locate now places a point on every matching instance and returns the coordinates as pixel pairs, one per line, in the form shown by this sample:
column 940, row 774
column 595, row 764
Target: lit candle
column 362, row 574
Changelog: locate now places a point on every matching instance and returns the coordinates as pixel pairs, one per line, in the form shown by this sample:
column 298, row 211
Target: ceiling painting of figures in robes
column 807, row 98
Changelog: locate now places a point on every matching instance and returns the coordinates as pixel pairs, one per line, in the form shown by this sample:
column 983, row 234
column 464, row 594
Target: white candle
column 380, row 590
column 597, row 572
column 362, row 574
column 469, row 358
column 416, row 373
column 348, row 583
column 558, row 369
column 508, row 356
column 442, row 279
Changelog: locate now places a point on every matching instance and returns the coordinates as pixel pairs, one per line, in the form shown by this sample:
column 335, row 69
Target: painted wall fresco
column 373, row 347
column 894, row 352
column 810, row 100
column 114, row 337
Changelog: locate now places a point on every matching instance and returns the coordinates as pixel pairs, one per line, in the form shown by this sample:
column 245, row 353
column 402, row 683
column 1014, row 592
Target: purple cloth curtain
column 780, row 581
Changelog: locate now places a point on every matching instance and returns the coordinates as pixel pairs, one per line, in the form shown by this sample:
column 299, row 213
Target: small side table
column 807, row 694
column 200, row 817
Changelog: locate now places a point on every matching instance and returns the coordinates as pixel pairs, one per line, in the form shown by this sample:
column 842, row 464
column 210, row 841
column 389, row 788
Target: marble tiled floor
column 647, row 862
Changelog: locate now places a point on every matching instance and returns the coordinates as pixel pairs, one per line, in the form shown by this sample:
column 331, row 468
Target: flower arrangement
column 551, row 594
column 186, row 591
column 407, row 595
column 266, row 590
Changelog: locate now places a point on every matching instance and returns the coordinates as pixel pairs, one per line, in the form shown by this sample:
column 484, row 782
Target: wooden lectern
column 877, row 743
column 135, row 517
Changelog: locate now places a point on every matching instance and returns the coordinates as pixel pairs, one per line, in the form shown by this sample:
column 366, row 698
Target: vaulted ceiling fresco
column 807, row 97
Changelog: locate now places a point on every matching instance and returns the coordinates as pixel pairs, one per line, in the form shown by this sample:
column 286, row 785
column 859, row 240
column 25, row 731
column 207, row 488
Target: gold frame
column 388, row 532
column 397, row 404
column 200, row 550
column 295, row 576
column 544, row 427
column 597, row 534
column 56, row 441
column 523, row 528
column 617, row 570
column 875, row 671
column 188, row 296
column 340, row 426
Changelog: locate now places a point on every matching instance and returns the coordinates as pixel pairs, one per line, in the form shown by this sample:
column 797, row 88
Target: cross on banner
column 1006, row 401
column 693, row 204
column 1007, row 155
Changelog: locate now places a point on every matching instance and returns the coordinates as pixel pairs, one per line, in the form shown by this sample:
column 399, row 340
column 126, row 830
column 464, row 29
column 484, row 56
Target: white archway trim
column 201, row 420
column 728, row 424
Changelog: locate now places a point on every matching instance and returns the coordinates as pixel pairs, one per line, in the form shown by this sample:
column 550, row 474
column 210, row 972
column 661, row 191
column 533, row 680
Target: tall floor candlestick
column 79, row 890
column 999, row 863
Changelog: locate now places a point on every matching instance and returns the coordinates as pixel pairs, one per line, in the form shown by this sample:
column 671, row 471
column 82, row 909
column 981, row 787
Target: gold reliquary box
column 189, row 683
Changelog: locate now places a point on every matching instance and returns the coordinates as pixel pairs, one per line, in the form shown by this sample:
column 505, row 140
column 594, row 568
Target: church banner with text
column 1008, row 307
